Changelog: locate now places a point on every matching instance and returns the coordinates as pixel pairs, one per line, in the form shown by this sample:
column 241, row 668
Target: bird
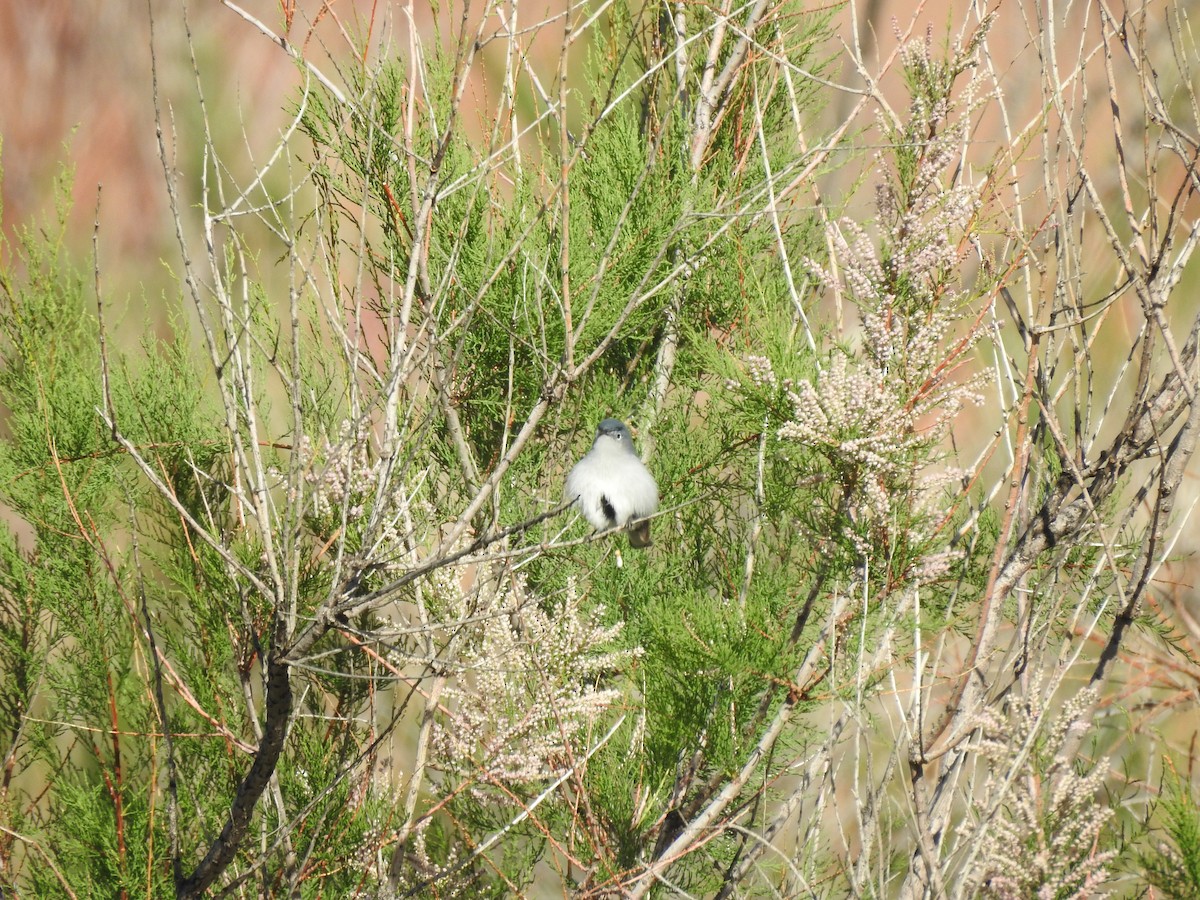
column 612, row 487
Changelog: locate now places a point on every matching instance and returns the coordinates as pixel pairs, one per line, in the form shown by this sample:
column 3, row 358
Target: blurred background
column 78, row 96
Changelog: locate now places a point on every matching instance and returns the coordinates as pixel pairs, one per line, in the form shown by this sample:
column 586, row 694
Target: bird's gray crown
column 614, row 427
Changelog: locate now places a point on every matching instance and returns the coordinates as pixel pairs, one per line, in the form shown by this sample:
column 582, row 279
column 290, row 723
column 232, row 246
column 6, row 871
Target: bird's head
column 612, row 434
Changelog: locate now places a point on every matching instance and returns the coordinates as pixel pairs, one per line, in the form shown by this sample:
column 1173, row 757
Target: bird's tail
column 639, row 534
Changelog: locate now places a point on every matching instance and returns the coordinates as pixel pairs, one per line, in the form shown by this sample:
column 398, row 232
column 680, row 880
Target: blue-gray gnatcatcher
column 612, row 486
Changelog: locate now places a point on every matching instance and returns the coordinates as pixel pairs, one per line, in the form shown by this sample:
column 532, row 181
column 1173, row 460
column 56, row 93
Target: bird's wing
column 585, row 488
column 637, row 491
column 573, row 488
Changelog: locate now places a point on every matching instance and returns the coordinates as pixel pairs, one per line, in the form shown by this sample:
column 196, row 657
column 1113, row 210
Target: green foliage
column 1172, row 867
column 342, row 490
